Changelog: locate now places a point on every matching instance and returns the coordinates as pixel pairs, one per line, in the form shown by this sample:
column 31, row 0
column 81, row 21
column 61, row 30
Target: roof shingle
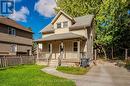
column 12, row 23
column 80, row 22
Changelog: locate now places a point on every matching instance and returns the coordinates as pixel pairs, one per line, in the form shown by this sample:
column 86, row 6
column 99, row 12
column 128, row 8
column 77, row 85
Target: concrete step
column 53, row 63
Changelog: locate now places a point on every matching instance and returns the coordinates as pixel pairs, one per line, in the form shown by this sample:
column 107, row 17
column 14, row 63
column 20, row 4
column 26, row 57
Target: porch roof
column 60, row 37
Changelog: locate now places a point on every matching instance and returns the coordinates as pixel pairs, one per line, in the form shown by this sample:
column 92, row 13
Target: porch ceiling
column 60, row 37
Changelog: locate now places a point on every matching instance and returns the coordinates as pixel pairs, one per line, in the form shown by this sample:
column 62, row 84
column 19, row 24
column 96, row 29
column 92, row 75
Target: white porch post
column 79, row 49
column 50, row 47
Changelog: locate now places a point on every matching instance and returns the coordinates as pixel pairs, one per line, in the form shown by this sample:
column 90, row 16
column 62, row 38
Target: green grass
column 30, row 75
column 73, row 70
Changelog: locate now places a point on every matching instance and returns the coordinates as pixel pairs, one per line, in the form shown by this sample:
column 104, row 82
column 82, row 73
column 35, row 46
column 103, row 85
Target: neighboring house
column 67, row 39
column 14, row 38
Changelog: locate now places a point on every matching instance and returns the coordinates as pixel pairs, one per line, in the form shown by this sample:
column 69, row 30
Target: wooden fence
column 6, row 61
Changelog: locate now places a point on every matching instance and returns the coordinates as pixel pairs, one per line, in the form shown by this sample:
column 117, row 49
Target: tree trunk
column 104, row 51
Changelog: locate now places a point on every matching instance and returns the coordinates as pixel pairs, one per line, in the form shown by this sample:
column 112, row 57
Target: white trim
column 59, row 13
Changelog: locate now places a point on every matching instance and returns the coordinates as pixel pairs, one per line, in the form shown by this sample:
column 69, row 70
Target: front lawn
column 30, row 75
column 73, row 70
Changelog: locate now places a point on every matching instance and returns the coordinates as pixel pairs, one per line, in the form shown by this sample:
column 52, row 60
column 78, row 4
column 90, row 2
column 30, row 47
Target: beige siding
column 62, row 18
column 4, row 47
column 23, row 48
column 82, row 32
column 15, row 39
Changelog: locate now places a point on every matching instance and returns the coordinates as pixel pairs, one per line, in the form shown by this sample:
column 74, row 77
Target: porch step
column 53, row 63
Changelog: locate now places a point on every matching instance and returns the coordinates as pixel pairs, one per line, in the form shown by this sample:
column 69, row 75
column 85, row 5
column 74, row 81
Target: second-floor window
column 65, row 24
column 11, row 31
column 59, row 25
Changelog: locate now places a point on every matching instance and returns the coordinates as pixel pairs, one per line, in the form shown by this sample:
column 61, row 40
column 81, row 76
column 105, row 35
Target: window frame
column 11, row 31
column 58, row 25
column 13, row 48
column 65, row 24
column 75, row 47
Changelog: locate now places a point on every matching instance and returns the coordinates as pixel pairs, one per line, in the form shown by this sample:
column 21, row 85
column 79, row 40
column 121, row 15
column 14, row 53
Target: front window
column 65, row 24
column 13, row 48
column 75, row 46
column 11, row 31
column 58, row 25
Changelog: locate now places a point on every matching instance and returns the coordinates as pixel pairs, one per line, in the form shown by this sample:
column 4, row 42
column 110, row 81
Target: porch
column 61, row 51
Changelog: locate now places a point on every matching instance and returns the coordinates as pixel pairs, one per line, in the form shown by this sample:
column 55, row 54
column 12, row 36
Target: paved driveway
column 101, row 75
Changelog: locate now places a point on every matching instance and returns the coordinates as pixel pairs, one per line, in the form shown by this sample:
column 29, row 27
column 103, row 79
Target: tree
column 78, row 7
column 111, row 21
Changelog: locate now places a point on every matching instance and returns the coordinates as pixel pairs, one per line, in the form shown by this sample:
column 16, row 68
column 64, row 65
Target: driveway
column 106, row 74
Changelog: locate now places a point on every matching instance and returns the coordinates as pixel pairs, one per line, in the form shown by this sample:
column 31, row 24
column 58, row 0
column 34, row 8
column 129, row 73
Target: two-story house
column 66, row 39
column 14, row 38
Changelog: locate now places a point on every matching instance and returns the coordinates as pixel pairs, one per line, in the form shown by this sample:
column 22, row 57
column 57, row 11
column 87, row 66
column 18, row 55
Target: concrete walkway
column 101, row 75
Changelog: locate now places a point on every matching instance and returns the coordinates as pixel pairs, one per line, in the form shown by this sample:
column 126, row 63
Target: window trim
column 60, row 25
column 74, row 47
column 13, row 48
column 64, row 24
column 11, row 31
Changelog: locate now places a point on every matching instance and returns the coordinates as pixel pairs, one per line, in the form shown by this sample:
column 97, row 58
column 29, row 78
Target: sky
column 34, row 13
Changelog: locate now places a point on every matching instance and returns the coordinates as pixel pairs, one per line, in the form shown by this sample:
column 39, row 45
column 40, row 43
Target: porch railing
column 44, row 57
column 83, row 55
column 60, row 57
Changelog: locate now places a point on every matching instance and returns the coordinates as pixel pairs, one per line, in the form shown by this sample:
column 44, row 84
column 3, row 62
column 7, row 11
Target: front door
column 61, row 47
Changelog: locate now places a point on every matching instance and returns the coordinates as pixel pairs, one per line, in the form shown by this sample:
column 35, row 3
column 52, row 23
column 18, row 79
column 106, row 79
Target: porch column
column 50, row 47
column 79, row 49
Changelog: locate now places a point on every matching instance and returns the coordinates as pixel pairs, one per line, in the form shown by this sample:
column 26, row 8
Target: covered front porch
column 61, row 49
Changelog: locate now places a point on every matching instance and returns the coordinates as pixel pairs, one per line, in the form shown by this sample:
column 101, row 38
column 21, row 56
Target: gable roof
column 12, row 23
column 66, row 15
column 82, row 21
column 48, row 28
column 79, row 22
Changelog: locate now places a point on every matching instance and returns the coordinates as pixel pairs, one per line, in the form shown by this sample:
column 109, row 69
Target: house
column 14, row 38
column 66, row 40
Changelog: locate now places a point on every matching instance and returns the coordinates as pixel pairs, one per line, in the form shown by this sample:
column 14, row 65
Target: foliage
column 73, row 70
column 111, row 20
column 30, row 75
column 78, row 7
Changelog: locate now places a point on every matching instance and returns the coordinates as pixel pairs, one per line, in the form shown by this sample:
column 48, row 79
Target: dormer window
column 65, row 24
column 59, row 25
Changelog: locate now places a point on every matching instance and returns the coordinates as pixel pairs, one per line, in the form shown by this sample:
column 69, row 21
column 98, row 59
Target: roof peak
column 65, row 14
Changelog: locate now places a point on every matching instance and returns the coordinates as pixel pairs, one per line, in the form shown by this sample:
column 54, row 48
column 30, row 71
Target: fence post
column 5, row 62
column 21, row 60
column 0, row 62
column 126, row 54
